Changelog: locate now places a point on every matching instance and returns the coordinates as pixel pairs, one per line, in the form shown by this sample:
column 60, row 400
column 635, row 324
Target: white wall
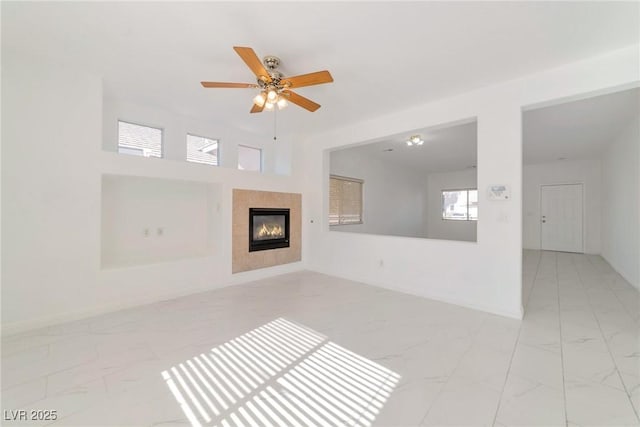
column 486, row 275
column 51, row 193
column 394, row 196
column 439, row 228
column 621, row 213
column 52, row 167
column 584, row 171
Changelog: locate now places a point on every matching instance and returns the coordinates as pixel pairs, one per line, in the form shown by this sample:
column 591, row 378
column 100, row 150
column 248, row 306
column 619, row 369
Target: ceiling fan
column 275, row 88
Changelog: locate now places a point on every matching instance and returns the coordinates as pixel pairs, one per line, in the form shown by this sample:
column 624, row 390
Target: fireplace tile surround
column 243, row 200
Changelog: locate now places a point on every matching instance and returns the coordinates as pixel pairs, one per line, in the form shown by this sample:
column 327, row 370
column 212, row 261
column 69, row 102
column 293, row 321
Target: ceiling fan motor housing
column 276, row 77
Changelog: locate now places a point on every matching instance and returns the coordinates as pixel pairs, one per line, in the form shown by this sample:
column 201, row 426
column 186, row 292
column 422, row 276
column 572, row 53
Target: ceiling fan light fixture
column 269, row 106
column 282, row 103
column 414, row 140
column 260, row 99
column 272, row 95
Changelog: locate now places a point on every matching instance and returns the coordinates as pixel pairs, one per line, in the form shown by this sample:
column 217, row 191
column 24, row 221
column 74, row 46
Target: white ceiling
column 449, row 148
column 579, row 129
column 567, row 131
column 384, row 56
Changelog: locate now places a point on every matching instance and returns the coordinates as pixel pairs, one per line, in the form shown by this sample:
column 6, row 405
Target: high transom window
column 203, row 150
column 139, row 140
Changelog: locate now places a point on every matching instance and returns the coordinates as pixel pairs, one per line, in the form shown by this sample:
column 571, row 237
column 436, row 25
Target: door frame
column 584, row 211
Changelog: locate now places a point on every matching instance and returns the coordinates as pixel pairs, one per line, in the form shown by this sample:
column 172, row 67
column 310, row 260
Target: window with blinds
column 345, row 200
column 139, row 140
column 203, row 150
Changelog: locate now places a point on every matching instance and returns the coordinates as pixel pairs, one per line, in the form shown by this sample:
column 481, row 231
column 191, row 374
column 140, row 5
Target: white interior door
column 561, row 218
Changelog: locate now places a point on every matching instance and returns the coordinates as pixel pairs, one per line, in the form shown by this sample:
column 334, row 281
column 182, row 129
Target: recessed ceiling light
column 414, row 140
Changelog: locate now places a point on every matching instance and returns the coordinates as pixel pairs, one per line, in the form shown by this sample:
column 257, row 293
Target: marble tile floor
column 326, row 351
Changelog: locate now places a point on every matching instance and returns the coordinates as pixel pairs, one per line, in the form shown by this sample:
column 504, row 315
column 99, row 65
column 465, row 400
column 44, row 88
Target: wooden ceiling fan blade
column 256, row 108
column 301, row 101
column 228, row 85
column 253, row 62
column 317, row 78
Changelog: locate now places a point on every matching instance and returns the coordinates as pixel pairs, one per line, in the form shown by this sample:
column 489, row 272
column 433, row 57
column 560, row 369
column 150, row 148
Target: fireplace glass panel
column 267, row 227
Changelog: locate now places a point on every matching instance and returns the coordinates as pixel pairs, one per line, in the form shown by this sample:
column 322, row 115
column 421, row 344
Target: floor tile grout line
column 444, row 384
column 46, row 387
column 515, row 346
column 564, row 388
column 77, row 365
column 535, row 276
column 604, row 338
column 624, row 307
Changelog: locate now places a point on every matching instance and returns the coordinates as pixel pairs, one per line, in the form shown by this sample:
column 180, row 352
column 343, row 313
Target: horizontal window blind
column 139, row 140
column 345, row 200
column 202, row 150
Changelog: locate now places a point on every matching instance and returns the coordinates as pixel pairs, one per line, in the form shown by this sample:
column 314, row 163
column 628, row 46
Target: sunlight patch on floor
column 280, row 374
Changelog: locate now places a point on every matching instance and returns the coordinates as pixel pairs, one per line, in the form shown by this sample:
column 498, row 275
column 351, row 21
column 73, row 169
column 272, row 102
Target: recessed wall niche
column 150, row 220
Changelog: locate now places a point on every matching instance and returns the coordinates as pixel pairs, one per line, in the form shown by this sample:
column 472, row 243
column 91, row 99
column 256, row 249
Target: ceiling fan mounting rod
column 271, row 62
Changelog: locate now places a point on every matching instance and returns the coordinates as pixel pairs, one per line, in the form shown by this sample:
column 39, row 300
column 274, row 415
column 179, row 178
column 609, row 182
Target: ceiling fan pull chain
column 275, row 113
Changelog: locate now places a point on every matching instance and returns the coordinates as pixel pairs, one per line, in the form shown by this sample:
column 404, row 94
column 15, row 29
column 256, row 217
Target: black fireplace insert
column 268, row 229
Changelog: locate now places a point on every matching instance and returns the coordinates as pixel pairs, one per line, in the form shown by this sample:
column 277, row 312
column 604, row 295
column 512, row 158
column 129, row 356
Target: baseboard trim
column 46, row 322
column 624, row 274
column 517, row 314
column 15, row 328
column 237, row 279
